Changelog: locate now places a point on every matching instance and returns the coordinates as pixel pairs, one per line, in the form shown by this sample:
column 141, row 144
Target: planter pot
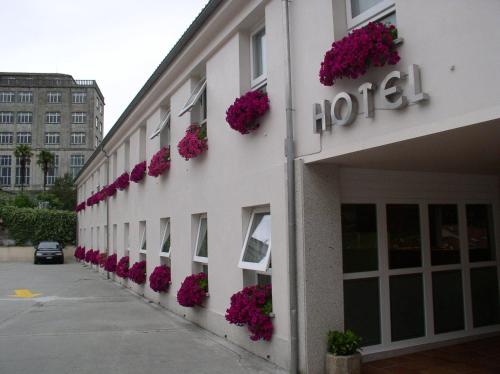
column 343, row 364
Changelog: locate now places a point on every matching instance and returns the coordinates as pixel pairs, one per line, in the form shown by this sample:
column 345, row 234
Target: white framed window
column 258, row 57
column 75, row 164
column 126, row 238
column 24, row 117
column 6, row 117
column 53, row 117
column 256, row 251
column 6, row 138
column 78, row 138
column 79, row 97
column 78, row 117
column 23, row 138
column 143, row 244
column 7, row 97
column 26, row 172
column 54, row 97
column 26, row 97
column 360, row 12
column 165, row 237
column 52, row 138
column 201, row 244
column 163, row 124
column 198, row 91
column 53, row 172
column 5, row 170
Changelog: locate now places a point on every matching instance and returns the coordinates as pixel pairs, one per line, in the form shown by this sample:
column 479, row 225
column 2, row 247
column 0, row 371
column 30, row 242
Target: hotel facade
column 380, row 193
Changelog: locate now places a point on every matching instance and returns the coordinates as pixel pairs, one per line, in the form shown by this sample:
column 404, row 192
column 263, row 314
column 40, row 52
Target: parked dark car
column 49, row 252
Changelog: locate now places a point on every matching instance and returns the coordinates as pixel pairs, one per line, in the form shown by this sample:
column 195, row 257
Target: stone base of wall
column 25, row 254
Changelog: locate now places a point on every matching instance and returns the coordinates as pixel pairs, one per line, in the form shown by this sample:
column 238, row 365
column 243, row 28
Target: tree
column 65, row 191
column 23, row 153
column 46, row 163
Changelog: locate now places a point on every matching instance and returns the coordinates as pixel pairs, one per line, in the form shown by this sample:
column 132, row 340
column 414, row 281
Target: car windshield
column 48, row 245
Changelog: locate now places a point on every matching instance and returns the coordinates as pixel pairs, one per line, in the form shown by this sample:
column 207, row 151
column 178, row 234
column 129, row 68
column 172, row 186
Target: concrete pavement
column 82, row 323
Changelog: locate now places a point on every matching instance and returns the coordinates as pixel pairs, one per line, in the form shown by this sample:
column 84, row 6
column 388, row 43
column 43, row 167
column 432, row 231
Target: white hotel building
column 388, row 225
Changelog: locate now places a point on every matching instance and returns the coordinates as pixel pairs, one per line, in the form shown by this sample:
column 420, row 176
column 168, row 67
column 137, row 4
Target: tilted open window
column 196, row 95
column 163, row 125
column 143, row 241
column 256, row 252
column 201, row 247
column 165, row 238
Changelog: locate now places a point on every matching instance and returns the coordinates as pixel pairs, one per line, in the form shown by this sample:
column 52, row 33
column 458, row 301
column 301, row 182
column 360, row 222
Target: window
column 163, row 125
column 126, row 238
column 5, row 170
column 6, row 117
column 403, row 232
column 53, row 172
column 480, row 232
column 97, row 123
column 26, row 97
column 6, row 138
column 97, row 141
column 24, row 117
column 79, row 97
column 75, row 164
column 7, row 97
column 443, row 233
column 54, row 97
column 198, row 91
column 258, row 57
column 363, row 11
column 201, row 245
column 165, row 237
column 52, row 138
column 77, row 138
column 19, row 173
column 143, row 239
column 23, row 138
column 256, row 252
column 53, row 117
column 79, row 117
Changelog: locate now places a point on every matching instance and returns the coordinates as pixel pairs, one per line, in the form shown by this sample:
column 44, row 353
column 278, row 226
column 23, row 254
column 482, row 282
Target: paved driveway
column 82, row 323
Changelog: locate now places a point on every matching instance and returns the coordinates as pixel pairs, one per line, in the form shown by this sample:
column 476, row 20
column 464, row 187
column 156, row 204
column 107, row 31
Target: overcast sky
column 118, row 43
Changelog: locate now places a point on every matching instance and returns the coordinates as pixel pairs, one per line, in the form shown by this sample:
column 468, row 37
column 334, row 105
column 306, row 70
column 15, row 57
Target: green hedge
column 34, row 225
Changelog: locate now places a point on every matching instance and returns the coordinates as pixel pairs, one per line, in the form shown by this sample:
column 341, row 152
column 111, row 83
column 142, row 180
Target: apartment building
column 53, row 112
column 382, row 203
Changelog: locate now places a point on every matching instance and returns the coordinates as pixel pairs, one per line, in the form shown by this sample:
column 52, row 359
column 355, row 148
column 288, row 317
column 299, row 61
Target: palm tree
column 23, row 153
column 46, row 163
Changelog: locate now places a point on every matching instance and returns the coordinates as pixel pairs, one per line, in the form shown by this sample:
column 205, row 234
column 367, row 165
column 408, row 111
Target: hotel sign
column 343, row 110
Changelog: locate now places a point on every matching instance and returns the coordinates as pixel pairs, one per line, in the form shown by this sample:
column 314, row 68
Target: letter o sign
column 351, row 104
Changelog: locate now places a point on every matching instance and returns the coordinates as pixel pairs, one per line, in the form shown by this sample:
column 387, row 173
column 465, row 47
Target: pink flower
column 122, row 181
column 110, row 264
column 122, row 267
column 137, row 273
column 109, row 190
column 193, row 290
column 138, row 172
column 242, row 115
column 103, row 257
column 159, row 280
column 80, row 253
column 350, row 57
column 95, row 258
column 252, row 307
column 194, row 143
column 89, row 255
column 80, row 207
column 160, row 162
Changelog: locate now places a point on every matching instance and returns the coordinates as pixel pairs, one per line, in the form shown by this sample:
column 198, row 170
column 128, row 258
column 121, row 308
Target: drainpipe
column 107, row 207
column 290, row 175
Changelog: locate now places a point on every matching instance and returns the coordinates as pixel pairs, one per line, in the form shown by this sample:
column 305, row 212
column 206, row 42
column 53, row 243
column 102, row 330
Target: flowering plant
column 122, row 267
column 244, row 112
column 137, row 272
column 103, row 257
column 159, row 280
column 110, row 264
column 89, row 255
column 193, row 290
column 80, row 207
column 252, row 306
column 122, row 181
column 194, row 143
column 350, row 57
column 80, row 253
column 109, row 190
column 95, row 257
column 159, row 162
column 138, row 172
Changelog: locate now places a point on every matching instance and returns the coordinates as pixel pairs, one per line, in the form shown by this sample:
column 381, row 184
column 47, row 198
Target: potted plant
column 244, row 113
column 193, row 290
column 343, row 355
column 194, row 142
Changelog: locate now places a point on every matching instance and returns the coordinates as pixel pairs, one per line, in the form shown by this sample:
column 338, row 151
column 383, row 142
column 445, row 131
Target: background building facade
column 398, row 218
column 53, row 112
